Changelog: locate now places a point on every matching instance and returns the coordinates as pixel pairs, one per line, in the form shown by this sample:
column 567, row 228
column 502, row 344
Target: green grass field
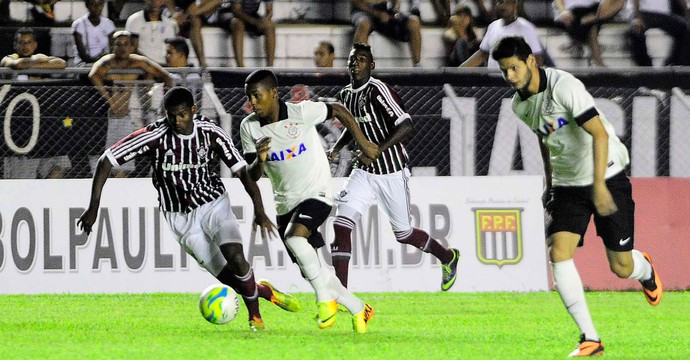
column 406, row 326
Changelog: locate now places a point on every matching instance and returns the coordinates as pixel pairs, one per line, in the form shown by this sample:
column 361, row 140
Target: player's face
column 25, row 45
column 180, row 118
column 174, row 58
column 359, row 64
column 322, row 58
column 264, row 100
column 516, row 72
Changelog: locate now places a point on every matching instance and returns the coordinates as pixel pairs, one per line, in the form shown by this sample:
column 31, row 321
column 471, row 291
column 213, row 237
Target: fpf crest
column 499, row 235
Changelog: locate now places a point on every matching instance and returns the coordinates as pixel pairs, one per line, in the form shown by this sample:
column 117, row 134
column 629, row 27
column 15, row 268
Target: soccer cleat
column 285, row 301
column 588, row 348
column 362, row 319
column 327, row 312
column 255, row 323
column 450, row 271
column 652, row 288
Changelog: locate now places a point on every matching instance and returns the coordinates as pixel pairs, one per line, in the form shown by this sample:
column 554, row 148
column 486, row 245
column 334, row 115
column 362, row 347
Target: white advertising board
column 495, row 222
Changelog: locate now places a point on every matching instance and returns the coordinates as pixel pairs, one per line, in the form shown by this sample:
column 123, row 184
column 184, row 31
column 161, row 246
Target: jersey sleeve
column 573, row 95
column 130, row 147
column 226, row 149
column 389, row 103
column 248, row 144
column 313, row 112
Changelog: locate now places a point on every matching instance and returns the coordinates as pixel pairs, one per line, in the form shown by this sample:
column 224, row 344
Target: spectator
column 582, row 19
column 190, row 16
column 442, row 8
column 324, row 55
column 25, row 57
column 650, row 14
column 176, row 52
column 244, row 15
column 150, row 28
column 508, row 24
column 43, row 11
column 22, row 167
column 92, row 33
column 114, row 9
column 118, row 95
column 376, row 15
column 460, row 38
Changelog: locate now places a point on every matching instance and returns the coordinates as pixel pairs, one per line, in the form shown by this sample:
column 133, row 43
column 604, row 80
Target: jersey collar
column 542, row 84
column 363, row 86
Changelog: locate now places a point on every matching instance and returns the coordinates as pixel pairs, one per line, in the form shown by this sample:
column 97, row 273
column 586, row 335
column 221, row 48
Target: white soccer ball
column 219, row 304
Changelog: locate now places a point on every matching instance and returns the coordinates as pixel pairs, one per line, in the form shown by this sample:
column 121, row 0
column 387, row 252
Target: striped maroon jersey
column 181, row 163
column 378, row 109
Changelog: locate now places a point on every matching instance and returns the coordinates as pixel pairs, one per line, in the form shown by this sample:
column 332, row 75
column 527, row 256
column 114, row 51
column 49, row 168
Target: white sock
column 309, row 263
column 642, row 269
column 343, row 296
column 569, row 286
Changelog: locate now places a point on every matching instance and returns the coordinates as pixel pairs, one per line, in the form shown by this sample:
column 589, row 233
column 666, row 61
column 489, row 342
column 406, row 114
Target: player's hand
column 603, row 201
column 87, row 219
column 268, row 229
column 370, row 150
column 262, row 146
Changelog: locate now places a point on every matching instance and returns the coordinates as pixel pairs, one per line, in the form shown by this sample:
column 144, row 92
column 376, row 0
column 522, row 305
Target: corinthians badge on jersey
column 292, row 130
column 499, row 235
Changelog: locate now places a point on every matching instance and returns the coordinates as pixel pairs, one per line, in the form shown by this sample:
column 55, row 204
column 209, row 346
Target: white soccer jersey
column 96, row 39
column 556, row 113
column 296, row 165
column 152, row 34
column 497, row 30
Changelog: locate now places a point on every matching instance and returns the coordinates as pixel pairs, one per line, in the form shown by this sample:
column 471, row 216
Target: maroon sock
column 341, row 248
column 421, row 240
column 250, row 293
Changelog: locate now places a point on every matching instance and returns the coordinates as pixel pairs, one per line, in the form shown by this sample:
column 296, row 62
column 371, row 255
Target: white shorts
column 203, row 230
column 390, row 191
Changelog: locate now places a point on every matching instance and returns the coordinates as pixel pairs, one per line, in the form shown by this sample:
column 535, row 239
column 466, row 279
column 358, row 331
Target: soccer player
column 381, row 115
column 585, row 162
column 281, row 139
column 192, row 197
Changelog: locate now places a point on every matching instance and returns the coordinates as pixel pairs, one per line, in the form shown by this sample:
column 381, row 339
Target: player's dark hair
column 329, row 46
column 363, row 47
column 179, row 43
column 89, row 2
column 178, row 96
column 262, row 76
column 24, row 31
column 511, row 46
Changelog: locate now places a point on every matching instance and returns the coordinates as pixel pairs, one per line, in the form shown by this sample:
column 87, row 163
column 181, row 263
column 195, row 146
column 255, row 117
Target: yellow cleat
column 327, row 312
column 255, row 324
column 285, row 301
column 362, row 319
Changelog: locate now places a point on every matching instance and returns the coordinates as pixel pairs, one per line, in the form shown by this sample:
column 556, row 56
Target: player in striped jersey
column 381, row 115
column 281, row 139
column 193, row 198
column 585, row 161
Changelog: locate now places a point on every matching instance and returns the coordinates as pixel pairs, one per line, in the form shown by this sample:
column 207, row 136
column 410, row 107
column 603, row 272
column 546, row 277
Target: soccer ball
column 219, row 304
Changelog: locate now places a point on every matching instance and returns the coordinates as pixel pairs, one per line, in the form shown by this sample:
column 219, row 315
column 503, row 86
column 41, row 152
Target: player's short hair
column 364, row 47
column 511, row 46
column 24, row 31
column 262, row 76
column 179, row 43
column 329, row 46
column 178, row 95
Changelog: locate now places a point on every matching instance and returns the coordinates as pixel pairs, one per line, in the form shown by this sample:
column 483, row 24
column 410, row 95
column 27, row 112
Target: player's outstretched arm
column 341, row 113
column 401, row 132
column 257, row 160
column 88, row 218
column 268, row 229
column 344, row 139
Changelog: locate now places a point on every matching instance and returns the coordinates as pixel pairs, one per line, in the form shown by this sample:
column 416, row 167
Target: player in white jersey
column 281, row 139
column 381, row 115
column 585, row 162
column 192, row 197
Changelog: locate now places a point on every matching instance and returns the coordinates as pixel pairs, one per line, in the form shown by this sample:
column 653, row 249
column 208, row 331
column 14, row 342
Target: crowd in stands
column 156, row 38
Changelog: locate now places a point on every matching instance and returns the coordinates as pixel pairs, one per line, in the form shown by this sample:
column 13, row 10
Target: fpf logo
column 499, row 235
